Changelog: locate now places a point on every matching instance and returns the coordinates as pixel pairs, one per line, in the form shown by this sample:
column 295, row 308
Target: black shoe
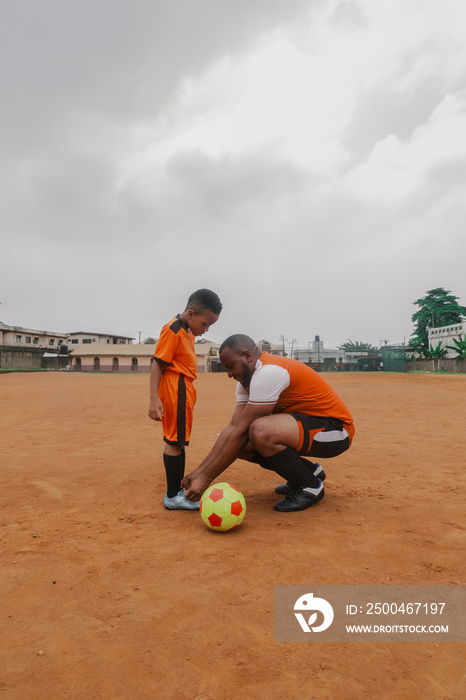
column 300, row 499
column 285, row 488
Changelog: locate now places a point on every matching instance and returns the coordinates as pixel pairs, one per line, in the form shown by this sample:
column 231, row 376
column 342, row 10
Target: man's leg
column 282, row 439
column 276, row 439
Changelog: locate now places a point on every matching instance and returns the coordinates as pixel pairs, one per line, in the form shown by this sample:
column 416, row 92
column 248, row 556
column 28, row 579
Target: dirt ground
column 105, row 594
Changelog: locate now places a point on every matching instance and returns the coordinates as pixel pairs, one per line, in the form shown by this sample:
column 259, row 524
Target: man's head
column 239, row 354
column 202, row 311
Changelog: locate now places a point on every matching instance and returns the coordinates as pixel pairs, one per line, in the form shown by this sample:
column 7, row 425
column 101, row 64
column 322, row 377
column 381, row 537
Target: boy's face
column 200, row 323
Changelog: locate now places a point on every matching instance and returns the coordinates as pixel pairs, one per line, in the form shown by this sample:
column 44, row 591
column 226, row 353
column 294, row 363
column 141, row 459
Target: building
column 30, row 337
column 333, row 359
column 207, row 355
column 445, row 336
column 322, row 358
column 86, row 338
column 17, row 336
column 273, row 349
column 99, row 357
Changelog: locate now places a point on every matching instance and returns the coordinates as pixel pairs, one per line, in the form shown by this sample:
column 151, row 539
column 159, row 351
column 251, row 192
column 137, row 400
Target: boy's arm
column 228, row 447
column 155, row 404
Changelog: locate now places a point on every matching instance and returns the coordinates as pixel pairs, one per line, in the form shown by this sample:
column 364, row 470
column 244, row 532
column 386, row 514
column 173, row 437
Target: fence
column 442, row 365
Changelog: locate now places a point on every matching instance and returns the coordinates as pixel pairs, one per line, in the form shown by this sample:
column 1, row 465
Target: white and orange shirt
column 293, row 387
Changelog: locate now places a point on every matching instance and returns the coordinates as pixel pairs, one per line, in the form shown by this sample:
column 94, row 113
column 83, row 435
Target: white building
column 86, row 338
column 445, row 336
column 17, row 336
column 272, row 348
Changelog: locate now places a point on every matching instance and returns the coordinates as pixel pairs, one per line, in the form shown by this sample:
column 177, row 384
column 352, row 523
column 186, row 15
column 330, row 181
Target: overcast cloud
column 305, row 159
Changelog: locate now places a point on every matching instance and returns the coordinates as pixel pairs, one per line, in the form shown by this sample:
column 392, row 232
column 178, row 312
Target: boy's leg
column 173, row 463
column 178, row 397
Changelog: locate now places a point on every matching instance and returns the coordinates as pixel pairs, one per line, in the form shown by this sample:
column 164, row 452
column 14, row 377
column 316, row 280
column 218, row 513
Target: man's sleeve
column 242, row 395
column 267, row 384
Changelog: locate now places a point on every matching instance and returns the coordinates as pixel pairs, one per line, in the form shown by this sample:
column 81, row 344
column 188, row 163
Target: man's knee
column 260, row 434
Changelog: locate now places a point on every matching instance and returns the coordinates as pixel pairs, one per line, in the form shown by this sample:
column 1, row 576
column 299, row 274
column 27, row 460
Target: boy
column 172, row 394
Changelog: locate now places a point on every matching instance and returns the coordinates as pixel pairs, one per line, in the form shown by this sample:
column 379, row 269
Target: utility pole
column 283, row 344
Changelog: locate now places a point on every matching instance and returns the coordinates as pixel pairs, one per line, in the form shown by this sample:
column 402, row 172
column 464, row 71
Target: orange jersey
column 175, row 349
column 293, row 387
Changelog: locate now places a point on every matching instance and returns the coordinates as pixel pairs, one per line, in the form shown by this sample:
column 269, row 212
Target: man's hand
column 156, row 409
column 194, row 485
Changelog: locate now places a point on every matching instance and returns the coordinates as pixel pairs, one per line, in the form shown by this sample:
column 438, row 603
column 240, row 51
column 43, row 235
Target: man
column 284, row 410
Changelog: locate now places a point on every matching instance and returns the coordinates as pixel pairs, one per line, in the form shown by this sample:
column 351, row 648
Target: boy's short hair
column 204, row 300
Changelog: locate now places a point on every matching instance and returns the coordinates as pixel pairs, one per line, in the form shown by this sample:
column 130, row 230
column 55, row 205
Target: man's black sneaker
column 285, row 488
column 300, row 499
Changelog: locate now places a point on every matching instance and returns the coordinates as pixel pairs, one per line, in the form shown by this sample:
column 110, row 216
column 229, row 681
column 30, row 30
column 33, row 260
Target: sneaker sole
column 171, row 508
column 299, row 508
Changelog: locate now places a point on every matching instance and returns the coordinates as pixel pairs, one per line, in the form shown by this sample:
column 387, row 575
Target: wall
column 31, row 358
column 432, row 365
column 20, row 358
column 59, row 362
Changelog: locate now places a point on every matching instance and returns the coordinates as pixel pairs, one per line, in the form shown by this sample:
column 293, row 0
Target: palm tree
column 460, row 348
column 357, row 346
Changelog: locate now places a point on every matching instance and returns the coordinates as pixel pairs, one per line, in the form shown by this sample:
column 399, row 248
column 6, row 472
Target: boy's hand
column 156, row 410
column 194, row 485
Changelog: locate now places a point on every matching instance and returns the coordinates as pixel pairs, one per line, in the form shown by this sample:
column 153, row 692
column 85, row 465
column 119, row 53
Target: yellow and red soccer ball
column 222, row 507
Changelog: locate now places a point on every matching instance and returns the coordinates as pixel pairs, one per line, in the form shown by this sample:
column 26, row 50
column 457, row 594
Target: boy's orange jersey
column 175, row 349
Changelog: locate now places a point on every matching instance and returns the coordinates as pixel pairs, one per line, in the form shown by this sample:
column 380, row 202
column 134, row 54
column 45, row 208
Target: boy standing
column 172, row 394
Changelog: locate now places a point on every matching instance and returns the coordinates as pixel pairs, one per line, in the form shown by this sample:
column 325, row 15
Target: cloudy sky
column 305, row 159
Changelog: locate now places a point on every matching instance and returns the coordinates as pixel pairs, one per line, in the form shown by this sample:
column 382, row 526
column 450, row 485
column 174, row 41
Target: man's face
column 240, row 366
column 200, row 323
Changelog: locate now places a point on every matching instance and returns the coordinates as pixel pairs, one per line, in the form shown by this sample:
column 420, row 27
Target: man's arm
column 228, row 447
column 155, row 404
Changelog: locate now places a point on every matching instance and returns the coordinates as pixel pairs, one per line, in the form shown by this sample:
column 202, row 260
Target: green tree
column 459, row 347
column 437, row 308
column 357, row 346
column 435, row 353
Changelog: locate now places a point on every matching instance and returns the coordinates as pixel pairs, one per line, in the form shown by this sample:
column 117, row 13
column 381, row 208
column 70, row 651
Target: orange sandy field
column 105, row 594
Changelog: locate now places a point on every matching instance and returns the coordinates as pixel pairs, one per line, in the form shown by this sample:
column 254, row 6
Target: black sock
column 174, row 473
column 183, row 461
column 307, row 462
column 290, row 466
column 258, row 459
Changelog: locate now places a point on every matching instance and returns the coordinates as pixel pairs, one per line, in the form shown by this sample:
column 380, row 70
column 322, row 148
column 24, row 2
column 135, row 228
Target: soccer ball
column 222, row 507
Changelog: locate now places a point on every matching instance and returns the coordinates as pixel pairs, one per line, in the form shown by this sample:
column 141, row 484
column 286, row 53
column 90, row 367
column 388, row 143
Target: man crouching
column 284, row 410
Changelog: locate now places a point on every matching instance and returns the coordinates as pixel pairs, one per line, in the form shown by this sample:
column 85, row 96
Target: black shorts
column 321, row 437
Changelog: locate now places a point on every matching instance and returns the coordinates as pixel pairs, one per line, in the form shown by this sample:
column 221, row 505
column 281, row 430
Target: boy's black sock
column 292, row 468
column 174, row 473
column 183, row 461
